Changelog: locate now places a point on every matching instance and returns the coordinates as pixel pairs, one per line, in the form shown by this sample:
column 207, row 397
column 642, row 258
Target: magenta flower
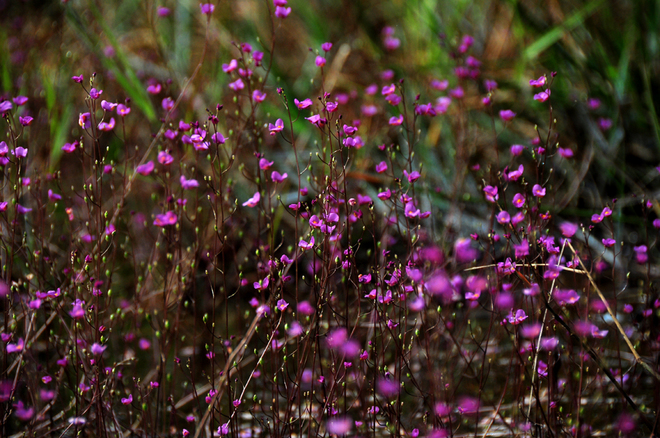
column 98, row 349
column 282, row 12
column 608, row 243
column 518, row 200
column 22, row 210
column 540, row 82
column 277, row 127
column 53, row 197
column 188, row 184
column 565, row 153
column 412, row 177
column 320, row 61
column 5, row 106
column 123, row 110
column 20, row 152
column 77, row 312
column 69, row 147
column 84, row 121
column 507, row 115
column 381, row 167
column 542, row 96
column 237, row 85
column 282, row 305
column 146, row 168
column 604, row 124
column 264, row 164
column 228, row 68
column 306, row 245
column 17, row 347
column 518, row 317
column 258, row 96
column 108, row 106
column 167, row 104
column 94, row 93
column 491, row 193
column 166, row 219
column 514, row 175
column 25, row 121
column 154, row 88
column 20, row 100
column 128, row 400
column 277, row 178
column 253, row 201
column 77, row 79
column 396, row 121
column 304, row 104
column 207, row 8
column 165, row 158
column 503, row 217
column 103, row 126
column 262, row 284
column 517, row 149
column 538, row 191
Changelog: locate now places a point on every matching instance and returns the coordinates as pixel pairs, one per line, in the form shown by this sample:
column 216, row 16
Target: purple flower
column 514, row 175
column 396, row 121
column 25, row 121
column 108, row 106
column 306, row 245
column 128, row 400
column 507, row 115
column 253, row 201
column 540, row 82
column 228, row 68
column 277, row 127
column 154, row 88
column 123, row 110
column 262, row 284
column 517, row 149
column 207, row 8
column 258, row 96
column 282, row 12
column 98, row 349
column 491, row 193
column 103, row 126
column 163, row 11
column 608, row 243
column 20, row 152
column 165, row 158
column 565, row 153
column 188, row 184
column 282, row 305
column 518, row 317
column 5, row 106
column 17, row 347
column 69, row 147
column 604, row 124
column 77, row 79
column 53, row 197
column 94, row 93
column 538, row 191
column 326, row 46
column 20, row 100
column 518, row 200
column 277, row 178
column 381, row 167
column 146, row 168
column 542, row 96
column 412, row 177
column 22, row 210
column 167, row 103
column 503, row 217
column 166, row 219
column 320, row 61
column 304, row 104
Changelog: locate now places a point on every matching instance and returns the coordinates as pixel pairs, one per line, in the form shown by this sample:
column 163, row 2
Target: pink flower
column 261, row 284
column 412, row 177
column 304, row 104
column 77, row 79
column 518, row 200
column 253, row 201
column 503, row 217
column 237, row 84
column 25, row 121
column 167, row 104
column 108, row 106
column 264, row 164
column 518, row 317
column 258, row 96
column 228, row 68
column 514, row 175
column 17, row 347
column 188, row 184
column 507, row 115
column 565, row 153
column 491, row 193
column 207, row 8
column 320, row 61
column 154, row 88
column 381, row 167
column 103, row 126
column 163, row 220
column 277, row 127
column 396, row 121
column 146, row 168
column 282, row 12
column 540, row 82
column 282, row 305
column 608, row 243
column 306, row 245
column 316, row 120
column 326, row 46
column 98, row 349
column 165, row 158
column 94, row 93
column 388, row 89
column 5, row 106
column 517, row 149
column 128, row 400
column 538, row 191
column 277, row 178
column 123, row 110
column 542, row 96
